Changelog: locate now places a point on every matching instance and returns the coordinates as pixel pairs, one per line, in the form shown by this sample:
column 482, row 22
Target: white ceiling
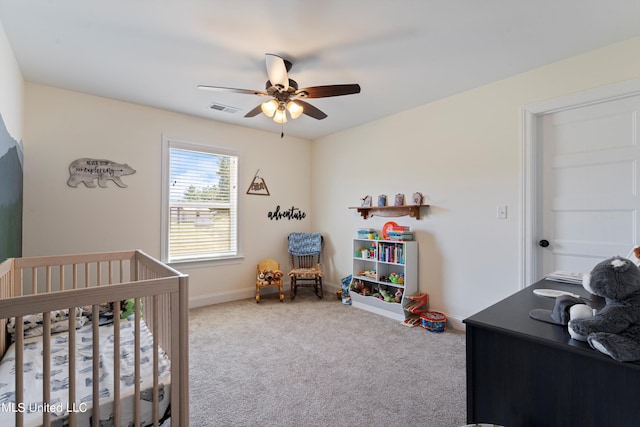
column 403, row 53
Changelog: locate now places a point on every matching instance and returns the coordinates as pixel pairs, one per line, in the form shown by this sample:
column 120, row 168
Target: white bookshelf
column 404, row 260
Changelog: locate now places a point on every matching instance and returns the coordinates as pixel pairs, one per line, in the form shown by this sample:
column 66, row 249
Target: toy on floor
column 268, row 274
column 416, row 306
column 346, row 283
column 433, row 321
column 614, row 330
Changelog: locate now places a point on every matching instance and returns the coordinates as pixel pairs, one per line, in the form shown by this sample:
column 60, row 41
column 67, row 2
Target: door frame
column 530, row 155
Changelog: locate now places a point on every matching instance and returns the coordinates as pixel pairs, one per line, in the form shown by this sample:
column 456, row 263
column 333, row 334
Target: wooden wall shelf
column 411, row 210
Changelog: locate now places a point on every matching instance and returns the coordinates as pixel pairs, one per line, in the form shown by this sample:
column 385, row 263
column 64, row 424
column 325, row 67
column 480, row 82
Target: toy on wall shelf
column 417, row 198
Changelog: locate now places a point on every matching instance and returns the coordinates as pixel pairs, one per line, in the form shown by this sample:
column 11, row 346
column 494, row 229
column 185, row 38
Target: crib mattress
column 59, row 407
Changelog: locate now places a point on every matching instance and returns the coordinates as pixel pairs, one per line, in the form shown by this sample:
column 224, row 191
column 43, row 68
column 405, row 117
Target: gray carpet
column 311, row 362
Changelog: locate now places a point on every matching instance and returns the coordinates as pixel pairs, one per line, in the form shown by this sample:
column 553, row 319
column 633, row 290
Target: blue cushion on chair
column 301, row 244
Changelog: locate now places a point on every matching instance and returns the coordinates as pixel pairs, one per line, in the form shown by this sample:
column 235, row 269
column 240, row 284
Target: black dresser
column 524, row 372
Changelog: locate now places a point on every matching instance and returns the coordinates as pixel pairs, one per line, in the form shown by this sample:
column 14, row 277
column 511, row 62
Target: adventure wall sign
column 293, row 213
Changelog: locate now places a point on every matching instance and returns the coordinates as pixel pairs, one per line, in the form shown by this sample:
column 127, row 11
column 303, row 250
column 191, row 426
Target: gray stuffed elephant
column 614, row 330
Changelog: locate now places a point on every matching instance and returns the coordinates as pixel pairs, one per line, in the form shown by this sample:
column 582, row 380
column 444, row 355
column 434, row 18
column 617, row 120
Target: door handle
column 543, row 243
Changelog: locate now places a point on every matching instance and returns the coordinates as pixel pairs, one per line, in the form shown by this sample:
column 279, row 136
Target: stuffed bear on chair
column 269, row 274
column 614, row 330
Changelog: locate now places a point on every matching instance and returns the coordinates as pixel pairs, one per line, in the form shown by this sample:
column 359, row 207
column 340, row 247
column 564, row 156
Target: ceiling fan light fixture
column 282, row 91
column 280, row 116
column 269, row 107
column 294, row 109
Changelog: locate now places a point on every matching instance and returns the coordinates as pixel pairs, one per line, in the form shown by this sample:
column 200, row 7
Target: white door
column 589, row 174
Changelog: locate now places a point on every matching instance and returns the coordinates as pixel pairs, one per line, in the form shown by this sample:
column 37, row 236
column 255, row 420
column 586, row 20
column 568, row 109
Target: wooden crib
column 60, row 284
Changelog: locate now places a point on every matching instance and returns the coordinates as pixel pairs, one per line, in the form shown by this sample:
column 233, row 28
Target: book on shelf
column 392, row 253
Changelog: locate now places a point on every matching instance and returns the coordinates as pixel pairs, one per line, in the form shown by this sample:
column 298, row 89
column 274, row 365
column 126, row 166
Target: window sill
column 206, row 263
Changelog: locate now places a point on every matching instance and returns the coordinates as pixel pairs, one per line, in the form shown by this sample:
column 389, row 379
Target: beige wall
column 464, row 154
column 61, row 126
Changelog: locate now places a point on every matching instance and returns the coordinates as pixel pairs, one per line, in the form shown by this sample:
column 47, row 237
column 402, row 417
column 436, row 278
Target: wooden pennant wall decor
column 258, row 186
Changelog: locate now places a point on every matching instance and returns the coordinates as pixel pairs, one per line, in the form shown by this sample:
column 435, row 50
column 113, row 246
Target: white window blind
column 202, row 204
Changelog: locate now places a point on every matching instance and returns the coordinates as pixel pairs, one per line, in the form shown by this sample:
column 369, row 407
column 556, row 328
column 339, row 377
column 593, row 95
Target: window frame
column 169, row 143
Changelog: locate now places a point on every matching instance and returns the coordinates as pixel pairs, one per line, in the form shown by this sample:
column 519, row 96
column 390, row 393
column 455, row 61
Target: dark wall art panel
column 10, row 195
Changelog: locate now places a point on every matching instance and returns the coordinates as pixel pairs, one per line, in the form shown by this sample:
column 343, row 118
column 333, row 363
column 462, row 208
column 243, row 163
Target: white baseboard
column 203, row 300
column 330, row 290
column 456, row 323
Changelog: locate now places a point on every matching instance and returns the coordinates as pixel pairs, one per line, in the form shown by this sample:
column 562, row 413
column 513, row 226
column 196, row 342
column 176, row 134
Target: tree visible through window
column 202, row 203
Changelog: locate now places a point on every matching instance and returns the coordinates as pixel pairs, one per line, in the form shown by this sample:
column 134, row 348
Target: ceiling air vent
column 225, row 108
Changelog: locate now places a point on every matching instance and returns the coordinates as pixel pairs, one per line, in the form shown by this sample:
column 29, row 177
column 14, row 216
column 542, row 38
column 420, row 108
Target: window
column 200, row 202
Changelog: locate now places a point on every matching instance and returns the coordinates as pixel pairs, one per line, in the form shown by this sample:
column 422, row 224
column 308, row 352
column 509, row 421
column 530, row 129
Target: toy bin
column 433, row 321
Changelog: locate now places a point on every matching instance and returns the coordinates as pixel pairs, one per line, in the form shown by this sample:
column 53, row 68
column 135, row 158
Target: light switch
column 502, row 212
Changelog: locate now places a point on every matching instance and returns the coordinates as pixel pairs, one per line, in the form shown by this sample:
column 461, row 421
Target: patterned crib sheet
column 59, row 408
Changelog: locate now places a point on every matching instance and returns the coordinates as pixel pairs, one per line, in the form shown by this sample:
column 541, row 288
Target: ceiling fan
column 285, row 94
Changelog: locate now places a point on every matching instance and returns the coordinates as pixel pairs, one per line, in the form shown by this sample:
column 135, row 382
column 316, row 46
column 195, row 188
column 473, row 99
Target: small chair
column 305, row 250
column 268, row 274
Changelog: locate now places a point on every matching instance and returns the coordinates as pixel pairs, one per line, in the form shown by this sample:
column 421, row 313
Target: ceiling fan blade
column 233, row 90
column 327, row 91
column 310, row 110
column 277, row 71
column 257, row 110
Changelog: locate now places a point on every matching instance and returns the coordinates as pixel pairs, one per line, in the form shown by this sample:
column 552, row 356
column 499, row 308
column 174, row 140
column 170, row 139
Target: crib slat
column 5, row 292
column 19, row 368
column 34, row 282
column 154, row 333
column 46, row 366
column 86, row 274
column 17, row 284
column 98, row 273
column 95, row 345
column 116, row 366
column 48, row 279
column 176, row 359
column 72, row 366
column 74, row 279
column 136, row 406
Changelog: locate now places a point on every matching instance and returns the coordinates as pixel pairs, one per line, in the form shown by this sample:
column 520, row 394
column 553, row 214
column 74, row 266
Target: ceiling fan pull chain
column 281, row 130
